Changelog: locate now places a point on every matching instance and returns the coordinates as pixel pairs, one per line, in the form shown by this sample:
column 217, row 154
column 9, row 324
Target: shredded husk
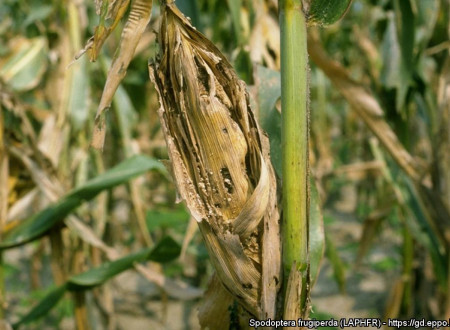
column 220, row 162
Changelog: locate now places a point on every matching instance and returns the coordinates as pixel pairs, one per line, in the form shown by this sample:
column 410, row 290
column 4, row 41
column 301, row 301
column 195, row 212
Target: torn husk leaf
column 220, row 162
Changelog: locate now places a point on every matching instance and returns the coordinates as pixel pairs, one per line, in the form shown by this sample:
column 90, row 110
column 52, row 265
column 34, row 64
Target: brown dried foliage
column 138, row 19
column 220, row 162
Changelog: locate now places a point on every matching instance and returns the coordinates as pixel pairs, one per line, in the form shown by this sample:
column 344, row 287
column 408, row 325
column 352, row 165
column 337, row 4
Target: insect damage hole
column 228, row 183
column 202, row 76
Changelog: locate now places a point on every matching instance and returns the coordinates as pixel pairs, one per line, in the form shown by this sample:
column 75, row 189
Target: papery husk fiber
column 221, row 166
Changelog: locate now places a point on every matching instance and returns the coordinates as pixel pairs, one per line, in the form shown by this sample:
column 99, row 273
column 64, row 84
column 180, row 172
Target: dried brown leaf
column 51, row 140
column 292, row 300
column 366, row 106
column 214, row 311
column 114, row 9
column 138, row 19
column 265, row 38
column 395, row 298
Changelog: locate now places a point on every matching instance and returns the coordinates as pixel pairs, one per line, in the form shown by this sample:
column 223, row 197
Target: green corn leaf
column 78, row 106
column 269, row 91
column 326, row 12
column 235, row 9
column 405, row 29
column 45, row 305
column 38, row 12
column 426, row 17
column 190, row 8
column 423, row 232
column 117, row 175
column 406, row 35
column 336, row 262
column 166, row 250
column 167, row 218
column 39, row 224
column 390, row 49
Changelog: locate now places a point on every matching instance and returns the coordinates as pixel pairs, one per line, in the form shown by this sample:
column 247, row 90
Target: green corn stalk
column 295, row 132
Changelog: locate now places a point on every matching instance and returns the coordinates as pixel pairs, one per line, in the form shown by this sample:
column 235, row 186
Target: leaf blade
column 166, row 250
column 37, row 225
column 44, row 306
column 327, row 12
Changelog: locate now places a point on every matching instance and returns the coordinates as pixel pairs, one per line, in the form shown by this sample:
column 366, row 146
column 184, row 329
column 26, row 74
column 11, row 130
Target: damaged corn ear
column 220, row 163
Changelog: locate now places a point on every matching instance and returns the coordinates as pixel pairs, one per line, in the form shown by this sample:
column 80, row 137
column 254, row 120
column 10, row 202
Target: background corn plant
column 379, row 154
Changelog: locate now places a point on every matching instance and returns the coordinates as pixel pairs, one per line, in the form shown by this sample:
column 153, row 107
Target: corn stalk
column 220, row 162
column 294, row 139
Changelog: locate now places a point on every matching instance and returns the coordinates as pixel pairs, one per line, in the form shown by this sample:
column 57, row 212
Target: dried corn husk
column 220, row 162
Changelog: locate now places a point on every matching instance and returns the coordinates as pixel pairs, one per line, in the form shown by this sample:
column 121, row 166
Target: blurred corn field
column 98, row 239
